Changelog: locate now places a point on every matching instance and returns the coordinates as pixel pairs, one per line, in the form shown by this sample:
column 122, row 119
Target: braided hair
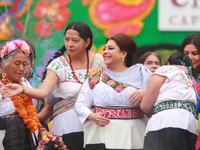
column 179, row 58
column 84, row 32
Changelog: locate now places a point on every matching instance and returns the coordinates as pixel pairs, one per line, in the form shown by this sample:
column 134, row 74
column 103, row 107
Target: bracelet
column 41, row 128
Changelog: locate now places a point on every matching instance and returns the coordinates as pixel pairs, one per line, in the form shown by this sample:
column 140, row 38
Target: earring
column 122, row 59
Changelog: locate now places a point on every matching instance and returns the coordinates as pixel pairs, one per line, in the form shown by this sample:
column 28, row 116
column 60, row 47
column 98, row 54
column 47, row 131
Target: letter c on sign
column 177, row 4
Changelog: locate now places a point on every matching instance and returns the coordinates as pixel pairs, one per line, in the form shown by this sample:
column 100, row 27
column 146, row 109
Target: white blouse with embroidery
column 67, row 87
column 113, row 91
column 177, row 86
column 6, row 104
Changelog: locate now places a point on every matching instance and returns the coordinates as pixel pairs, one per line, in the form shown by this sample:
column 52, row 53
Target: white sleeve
column 84, row 103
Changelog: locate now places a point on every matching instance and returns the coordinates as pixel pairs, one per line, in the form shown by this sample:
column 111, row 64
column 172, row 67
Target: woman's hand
column 11, row 90
column 99, row 119
column 136, row 96
column 44, row 132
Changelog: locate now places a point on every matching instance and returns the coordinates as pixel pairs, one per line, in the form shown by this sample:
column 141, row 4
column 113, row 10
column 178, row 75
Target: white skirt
column 119, row 134
column 174, row 118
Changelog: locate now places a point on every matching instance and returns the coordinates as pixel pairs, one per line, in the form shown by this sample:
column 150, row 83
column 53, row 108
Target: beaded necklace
column 74, row 72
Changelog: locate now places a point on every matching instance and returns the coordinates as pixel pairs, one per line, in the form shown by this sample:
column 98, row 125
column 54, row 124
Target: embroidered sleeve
column 168, row 71
column 57, row 65
column 94, row 77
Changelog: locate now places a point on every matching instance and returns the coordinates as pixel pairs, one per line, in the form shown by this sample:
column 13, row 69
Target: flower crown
column 17, row 44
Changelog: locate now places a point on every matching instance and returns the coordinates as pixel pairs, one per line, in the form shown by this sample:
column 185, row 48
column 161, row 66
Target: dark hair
column 178, row 58
column 147, row 54
column 32, row 53
column 191, row 39
column 84, row 32
column 125, row 43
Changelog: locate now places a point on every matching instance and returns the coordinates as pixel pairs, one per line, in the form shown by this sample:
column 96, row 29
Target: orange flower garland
column 24, row 107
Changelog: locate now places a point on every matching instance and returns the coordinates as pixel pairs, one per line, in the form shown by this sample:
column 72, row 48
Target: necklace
column 74, row 72
column 24, row 107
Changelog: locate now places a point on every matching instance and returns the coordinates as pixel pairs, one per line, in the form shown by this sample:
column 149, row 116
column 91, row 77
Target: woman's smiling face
column 193, row 53
column 112, row 53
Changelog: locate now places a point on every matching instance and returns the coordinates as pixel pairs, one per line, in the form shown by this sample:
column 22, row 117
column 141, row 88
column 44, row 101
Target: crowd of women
column 100, row 102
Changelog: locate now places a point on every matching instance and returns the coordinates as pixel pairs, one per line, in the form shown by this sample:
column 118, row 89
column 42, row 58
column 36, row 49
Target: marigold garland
column 24, row 107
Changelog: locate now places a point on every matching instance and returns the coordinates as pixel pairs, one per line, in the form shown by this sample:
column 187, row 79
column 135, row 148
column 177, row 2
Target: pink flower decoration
column 15, row 45
column 118, row 88
column 103, row 76
column 53, row 16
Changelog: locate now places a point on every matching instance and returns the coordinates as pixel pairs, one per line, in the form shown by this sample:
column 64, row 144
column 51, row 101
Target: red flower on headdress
column 53, row 15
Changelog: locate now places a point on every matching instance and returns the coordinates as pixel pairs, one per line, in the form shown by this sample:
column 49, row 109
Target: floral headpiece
column 15, row 45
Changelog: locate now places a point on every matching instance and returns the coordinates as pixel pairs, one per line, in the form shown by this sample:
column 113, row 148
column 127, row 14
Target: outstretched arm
column 40, row 93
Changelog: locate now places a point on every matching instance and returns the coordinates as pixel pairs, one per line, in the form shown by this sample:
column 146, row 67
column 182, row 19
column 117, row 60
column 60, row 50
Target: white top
column 110, row 94
column 6, row 104
column 177, row 86
column 67, row 87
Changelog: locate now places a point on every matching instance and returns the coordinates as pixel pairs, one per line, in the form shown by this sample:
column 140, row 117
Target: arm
column 40, row 93
column 151, row 94
column 83, row 108
column 46, row 112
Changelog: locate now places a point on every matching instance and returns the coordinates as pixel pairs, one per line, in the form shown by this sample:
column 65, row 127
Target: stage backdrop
column 155, row 25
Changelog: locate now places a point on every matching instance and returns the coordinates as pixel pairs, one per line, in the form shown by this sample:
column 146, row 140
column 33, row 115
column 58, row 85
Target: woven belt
column 119, row 112
column 177, row 104
column 10, row 116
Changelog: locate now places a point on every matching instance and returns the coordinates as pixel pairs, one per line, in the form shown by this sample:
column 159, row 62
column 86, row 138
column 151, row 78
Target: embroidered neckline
column 117, row 86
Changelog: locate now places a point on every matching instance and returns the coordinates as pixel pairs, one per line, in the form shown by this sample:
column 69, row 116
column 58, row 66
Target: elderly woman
column 18, row 115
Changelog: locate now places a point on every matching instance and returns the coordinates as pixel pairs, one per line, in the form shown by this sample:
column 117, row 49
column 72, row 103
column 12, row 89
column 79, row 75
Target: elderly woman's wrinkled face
column 28, row 68
column 16, row 67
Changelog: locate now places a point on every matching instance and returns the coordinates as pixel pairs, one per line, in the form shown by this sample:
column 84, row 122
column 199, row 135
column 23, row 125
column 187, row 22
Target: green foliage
column 165, row 54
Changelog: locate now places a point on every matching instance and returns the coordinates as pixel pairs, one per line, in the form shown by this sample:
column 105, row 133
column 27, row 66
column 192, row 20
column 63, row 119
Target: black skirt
column 17, row 136
column 102, row 147
column 74, row 141
column 170, row 139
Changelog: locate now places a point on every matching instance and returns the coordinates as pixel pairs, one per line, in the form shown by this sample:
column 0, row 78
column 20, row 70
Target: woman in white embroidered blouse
column 171, row 95
column 117, row 121
column 67, row 72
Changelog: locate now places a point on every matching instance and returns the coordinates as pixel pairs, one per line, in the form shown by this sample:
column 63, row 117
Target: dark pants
column 74, row 141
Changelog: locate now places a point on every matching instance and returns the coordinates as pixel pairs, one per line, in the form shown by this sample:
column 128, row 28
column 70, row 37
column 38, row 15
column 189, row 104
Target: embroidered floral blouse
column 110, row 89
column 177, row 86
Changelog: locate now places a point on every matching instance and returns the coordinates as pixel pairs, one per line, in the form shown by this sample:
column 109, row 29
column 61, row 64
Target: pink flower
column 103, row 76
column 118, row 88
column 10, row 46
column 53, row 15
column 18, row 42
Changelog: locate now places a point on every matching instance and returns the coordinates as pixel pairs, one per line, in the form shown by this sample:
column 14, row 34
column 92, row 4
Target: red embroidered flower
column 53, row 15
column 94, row 81
column 103, row 76
column 118, row 88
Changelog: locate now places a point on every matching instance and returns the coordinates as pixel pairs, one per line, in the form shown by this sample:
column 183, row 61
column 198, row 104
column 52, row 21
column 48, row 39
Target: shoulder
column 98, row 61
column 94, row 77
column 59, row 62
column 167, row 69
column 140, row 68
